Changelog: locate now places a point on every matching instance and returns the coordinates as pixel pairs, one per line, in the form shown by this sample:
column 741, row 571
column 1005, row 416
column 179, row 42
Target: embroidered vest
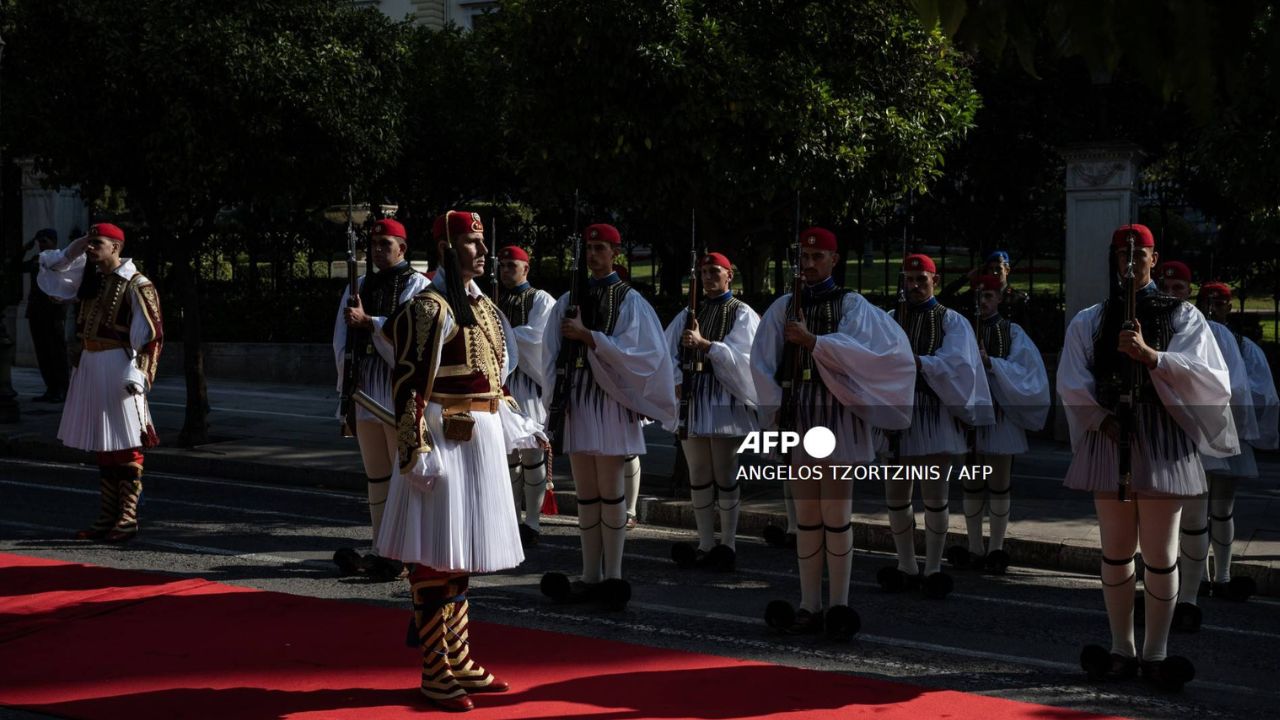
column 380, row 296
column 600, row 311
column 925, row 331
column 472, row 358
column 104, row 316
column 1164, row 435
column 996, row 338
column 715, row 322
column 822, row 313
column 517, row 305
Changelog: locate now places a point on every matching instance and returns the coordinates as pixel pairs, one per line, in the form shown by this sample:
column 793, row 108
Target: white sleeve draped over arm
column 1266, row 403
column 529, row 339
column 1241, row 397
column 1192, row 381
column 634, row 365
column 956, row 374
column 1076, row 387
column 550, row 351
column 731, row 357
column 766, row 356
column 340, row 335
column 867, row 365
column 672, row 336
column 511, row 358
column 59, row 275
column 1019, row 383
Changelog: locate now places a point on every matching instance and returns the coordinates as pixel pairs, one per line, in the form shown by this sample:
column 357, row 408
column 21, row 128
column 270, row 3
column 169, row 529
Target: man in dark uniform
column 46, row 320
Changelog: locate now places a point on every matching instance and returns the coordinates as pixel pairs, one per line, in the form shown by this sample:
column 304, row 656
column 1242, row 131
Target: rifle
column 895, row 436
column 346, row 406
column 568, row 349
column 689, row 363
column 971, row 433
column 1129, row 386
column 493, row 260
column 787, row 419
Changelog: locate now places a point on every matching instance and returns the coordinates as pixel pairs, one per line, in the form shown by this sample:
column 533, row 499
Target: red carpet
column 92, row 642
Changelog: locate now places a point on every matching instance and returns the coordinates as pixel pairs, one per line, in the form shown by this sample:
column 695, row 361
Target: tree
column 193, row 107
column 454, row 129
column 1193, row 50
column 729, row 108
column 1208, row 71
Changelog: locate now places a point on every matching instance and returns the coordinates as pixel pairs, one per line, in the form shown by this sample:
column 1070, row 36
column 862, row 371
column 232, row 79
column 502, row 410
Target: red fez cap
column 106, row 230
column 390, row 228
column 602, row 231
column 1174, row 270
column 1215, row 288
column 716, row 259
column 818, row 239
column 623, row 273
column 513, row 252
column 917, row 262
column 988, row 282
column 460, row 223
column 1142, row 236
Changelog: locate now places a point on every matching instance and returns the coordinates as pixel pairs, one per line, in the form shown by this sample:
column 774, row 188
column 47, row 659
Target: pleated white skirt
column 1095, row 467
column 467, row 522
column 1003, row 438
column 596, row 424
column 528, row 396
column 100, row 415
column 1243, row 465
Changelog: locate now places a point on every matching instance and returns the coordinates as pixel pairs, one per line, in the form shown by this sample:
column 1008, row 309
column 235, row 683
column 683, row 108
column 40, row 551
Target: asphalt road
column 1015, row 637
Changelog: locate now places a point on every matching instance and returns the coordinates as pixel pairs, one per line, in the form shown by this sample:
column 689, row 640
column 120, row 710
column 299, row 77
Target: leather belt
column 452, row 405
column 102, row 345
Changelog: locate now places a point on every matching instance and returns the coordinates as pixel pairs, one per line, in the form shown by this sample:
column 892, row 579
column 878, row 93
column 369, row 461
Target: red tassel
column 549, row 506
column 149, row 437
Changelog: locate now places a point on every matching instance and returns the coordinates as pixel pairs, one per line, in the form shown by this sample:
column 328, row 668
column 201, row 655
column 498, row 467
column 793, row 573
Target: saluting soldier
column 120, row 332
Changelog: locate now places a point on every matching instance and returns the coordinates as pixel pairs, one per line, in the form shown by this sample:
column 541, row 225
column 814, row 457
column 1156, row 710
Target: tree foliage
column 1193, row 82
column 730, row 108
column 194, row 107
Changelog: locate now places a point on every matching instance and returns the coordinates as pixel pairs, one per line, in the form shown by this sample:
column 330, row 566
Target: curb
column 873, row 535
column 867, row 534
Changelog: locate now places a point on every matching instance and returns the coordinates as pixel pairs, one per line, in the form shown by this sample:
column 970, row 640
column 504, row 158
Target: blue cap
column 1000, row 255
column 50, row 233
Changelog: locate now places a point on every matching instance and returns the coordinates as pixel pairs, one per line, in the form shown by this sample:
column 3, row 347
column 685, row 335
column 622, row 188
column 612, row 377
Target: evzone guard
column 824, row 357
column 711, row 353
column 1020, row 397
column 1175, row 280
column 449, row 511
column 120, row 332
column 1137, row 452
column 951, row 392
column 612, row 371
column 1215, row 302
column 359, row 328
column 1207, row 519
column 527, row 310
